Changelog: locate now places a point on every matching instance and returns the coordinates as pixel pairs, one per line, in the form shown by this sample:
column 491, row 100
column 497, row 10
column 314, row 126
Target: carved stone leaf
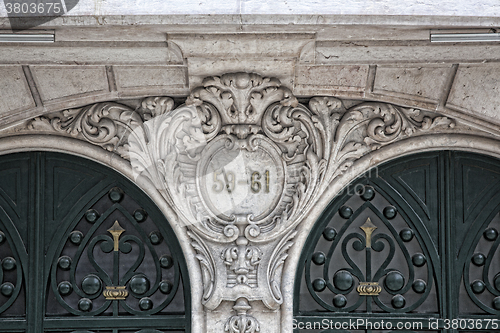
column 278, row 258
column 105, row 124
column 207, row 265
column 241, row 98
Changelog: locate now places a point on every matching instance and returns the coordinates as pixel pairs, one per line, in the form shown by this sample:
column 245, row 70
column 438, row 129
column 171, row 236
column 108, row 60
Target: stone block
column 311, row 80
column 477, row 88
column 241, row 45
column 14, row 90
column 420, row 83
column 375, row 52
column 93, row 53
column 57, row 82
column 144, row 77
column 199, row 68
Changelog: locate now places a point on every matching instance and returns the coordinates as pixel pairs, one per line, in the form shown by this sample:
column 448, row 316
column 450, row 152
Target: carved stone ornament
column 241, row 162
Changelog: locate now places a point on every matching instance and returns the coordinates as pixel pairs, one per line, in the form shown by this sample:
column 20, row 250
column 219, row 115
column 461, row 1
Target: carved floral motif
column 238, row 135
column 242, row 322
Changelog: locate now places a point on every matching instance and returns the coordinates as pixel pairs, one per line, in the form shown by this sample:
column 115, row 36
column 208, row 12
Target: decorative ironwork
column 368, row 228
column 482, row 270
column 387, row 263
column 94, row 273
column 11, row 273
column 369, row 288
column 115, row 293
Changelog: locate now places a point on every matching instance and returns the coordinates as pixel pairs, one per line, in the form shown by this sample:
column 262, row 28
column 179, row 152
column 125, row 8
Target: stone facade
column 203, row 116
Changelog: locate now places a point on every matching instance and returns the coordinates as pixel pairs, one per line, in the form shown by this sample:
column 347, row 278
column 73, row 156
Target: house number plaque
column 241, row 177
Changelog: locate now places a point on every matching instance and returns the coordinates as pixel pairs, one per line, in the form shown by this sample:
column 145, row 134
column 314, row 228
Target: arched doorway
column 413, row 242
column 84, row 250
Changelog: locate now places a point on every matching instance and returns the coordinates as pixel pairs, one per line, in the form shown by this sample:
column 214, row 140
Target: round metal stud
column 155, row 237
column 9, row 263
column 343, row 280
column 91, row 215
column 139, row 284
column 2, row 237
column 398, row 301
column 145, row 304
column 496, row 281
column 140, row 215
column 329, row 233
column 418, row 259
column 319, row 258
column 394, row 281
column 477, row 286
column 490, row 234
column 65, row 288
column 115, row 194
column 166, row 261
column 406, row 234
column 319, row 285
column 390, row 212
column 368, row 193
column 64, row 263
column 419, row 286
column 496, row 303
column 91, row 284
column 345, row 212
column 166, row 286
column 85, row 304
column 76, row 237
column 339, row 301
column 7, row 289
column 478, row 259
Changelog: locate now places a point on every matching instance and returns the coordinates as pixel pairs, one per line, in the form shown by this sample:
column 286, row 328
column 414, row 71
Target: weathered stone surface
column 199, row 68
column 367, row 52
column 425, row 83
column 92, row 53
column 14, row 90
column 477, row 88
column 310, row 79
column 239, row 45
column 55, row 82
column 350, row 7
column 136, row 77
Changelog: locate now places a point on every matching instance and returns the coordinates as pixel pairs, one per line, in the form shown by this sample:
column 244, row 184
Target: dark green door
column 410, row 246
column 82, row 249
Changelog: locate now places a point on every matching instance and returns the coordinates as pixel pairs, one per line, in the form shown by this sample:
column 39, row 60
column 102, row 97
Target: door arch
column 412, row 241
column 84, row 250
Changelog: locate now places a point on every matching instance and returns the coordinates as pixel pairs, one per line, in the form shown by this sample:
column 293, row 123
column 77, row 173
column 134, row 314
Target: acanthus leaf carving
column 103, row 124
column 207, row 264
column 241, row 98
column 275, row 267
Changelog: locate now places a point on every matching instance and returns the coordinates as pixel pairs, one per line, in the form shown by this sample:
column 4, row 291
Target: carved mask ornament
column 242, row 162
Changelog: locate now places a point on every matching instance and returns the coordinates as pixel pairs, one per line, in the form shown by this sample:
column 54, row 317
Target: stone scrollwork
column 242, row 322
column 102, row 124
column 241, row 162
